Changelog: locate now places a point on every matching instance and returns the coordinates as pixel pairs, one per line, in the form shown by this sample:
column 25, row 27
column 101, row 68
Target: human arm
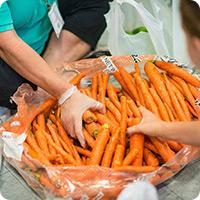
column 31, row 66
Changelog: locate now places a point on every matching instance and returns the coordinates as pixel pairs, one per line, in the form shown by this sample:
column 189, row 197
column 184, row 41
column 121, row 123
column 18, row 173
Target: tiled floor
column 185, row 186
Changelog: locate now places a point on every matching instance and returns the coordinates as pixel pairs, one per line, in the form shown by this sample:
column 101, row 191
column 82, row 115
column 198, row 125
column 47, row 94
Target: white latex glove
column 72, row 111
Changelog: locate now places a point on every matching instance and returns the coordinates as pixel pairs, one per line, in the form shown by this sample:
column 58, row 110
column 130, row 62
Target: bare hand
column 147, row 125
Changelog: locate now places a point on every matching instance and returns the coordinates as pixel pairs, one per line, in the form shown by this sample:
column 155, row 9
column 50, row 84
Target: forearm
column 185, row 132
column 30, row 65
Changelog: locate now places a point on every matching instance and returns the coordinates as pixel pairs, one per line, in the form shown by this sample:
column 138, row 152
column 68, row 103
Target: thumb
column 133, row 129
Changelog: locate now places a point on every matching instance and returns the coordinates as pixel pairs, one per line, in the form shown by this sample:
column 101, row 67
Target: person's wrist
column 67, row 94
column 160, row 128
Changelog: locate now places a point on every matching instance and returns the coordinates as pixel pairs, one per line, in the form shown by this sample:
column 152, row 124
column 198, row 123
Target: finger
column 143, row 110
column 79, row 133
column 132, row 130
column 98, row 106
column 68, row 125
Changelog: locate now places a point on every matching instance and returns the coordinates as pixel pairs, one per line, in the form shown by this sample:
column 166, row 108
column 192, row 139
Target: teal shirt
column 29, row 18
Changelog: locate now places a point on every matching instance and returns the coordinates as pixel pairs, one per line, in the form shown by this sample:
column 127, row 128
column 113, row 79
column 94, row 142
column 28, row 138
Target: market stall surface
column 184, row 186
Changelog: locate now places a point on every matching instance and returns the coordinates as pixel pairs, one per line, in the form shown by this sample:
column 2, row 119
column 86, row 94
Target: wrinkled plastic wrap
column 87, row 182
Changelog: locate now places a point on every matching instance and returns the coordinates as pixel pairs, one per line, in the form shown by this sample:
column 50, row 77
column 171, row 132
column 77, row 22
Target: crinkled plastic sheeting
column 89, row 182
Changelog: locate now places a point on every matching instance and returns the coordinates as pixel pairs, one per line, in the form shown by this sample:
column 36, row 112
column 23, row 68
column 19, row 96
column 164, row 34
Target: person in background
column 184, row 132
column 31, row 53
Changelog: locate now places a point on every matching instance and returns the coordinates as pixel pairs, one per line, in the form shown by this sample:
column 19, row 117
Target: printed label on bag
column 110, row 67
column 12, row 145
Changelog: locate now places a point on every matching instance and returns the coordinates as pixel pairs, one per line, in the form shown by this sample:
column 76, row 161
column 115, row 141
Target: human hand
column 72, row 111
column 148, row 124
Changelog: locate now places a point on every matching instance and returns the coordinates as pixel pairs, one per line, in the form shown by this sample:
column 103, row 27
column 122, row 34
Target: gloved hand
column 72, row 111
column 147, row 125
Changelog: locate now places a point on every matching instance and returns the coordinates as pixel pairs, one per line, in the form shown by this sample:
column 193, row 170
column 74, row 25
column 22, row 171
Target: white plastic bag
column 157, row 40
column 139, row 191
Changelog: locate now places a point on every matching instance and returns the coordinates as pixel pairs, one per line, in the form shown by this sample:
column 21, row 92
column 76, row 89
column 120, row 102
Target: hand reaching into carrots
column 72, row 111
column 148, row 123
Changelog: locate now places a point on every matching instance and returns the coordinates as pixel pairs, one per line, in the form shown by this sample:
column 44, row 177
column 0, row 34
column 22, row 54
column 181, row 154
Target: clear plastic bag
column 86, row 182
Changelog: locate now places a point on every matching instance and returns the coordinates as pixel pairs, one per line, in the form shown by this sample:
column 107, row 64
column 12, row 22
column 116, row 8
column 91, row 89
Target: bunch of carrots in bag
column 166, row 90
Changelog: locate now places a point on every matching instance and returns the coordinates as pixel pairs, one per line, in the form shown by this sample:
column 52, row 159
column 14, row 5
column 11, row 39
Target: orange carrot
column 89, row 139
column 156, row 79
column 92, row 128
column 41, row 140
column 105, row 79
column 175, row 84
column 136, row 169
column 141, row 98
column 58, row 113
column 66, row 155
column 64, row 145
column 149, row 102
column 117, row 90
column 186, row 90
column 174, row 100
column 46, row 105
column 30, row 164
column 146, row 82
column 118, row 156
column 114, row 110
column 137, row 68
column 170, row 113
column 113, row 96
column 98, row 150
column 30, row 139
column 150, row 158
column 52, row 117
column 134, row 108
column 83, row 152
column 148, row 144
column 65, row 137
column 76, row 80
column 101, row 90
column 129, row 83
column 126, row 94
column 181, row 73
column 193, row 90
column 138, row 143
column 161, row 106
column 130, row 157
column 53, row 132
column 119, row 78
column 112, row 118
column 77, row 156
column 46, row 182
column 123, row 121
column 88, row 91
column 102, row 119
column 94, row 87
column 89, row 117
column 133, row 121
column 110, row 149
column 191, row 109
column 41, row 121
column 175, row 146
column 181, row 100
column 165, row 152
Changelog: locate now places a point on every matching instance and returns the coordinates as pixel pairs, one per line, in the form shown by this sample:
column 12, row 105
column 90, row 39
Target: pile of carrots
column 166, row 90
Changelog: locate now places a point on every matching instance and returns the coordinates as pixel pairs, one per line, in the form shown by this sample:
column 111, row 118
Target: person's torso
column 31, row 22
